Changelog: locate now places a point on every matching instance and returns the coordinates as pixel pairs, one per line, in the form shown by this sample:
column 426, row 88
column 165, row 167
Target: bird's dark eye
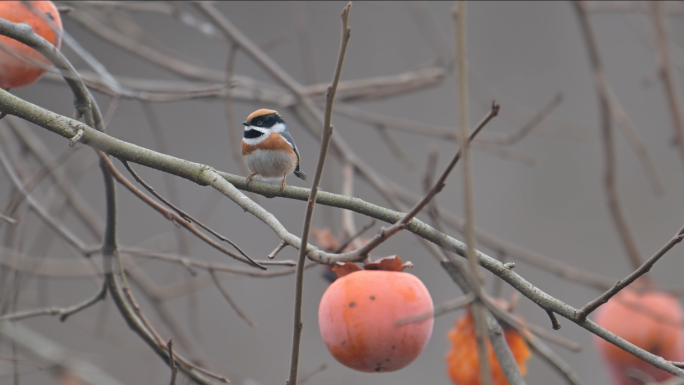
column 259, row 123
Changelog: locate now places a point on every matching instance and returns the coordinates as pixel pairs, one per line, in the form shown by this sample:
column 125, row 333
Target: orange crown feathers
column 261, row 112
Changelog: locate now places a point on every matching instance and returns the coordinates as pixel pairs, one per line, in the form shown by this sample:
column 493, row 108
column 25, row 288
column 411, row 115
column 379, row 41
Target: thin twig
column 234, row 133
column 307, row 376
column 229, row 298
column 135, row 319
column 9, row 220
column 443, row 308
column 172, row 362
column 386, row 233
column 63, row 312
column 428, row 26
column 38, row 176
column 306, row 52
column 136, row 308
column 637, row 142
column 643, row 269
column 673, row 97
column 172, row 216
column 185, row 215
column 277, row 250
column 54, row 356
column 670, row 7
column 532, row 123
column 62, row 268
column 348, row 225
column 21, row 361
column 165, row 313
column 228, row 184
column 76, row 138
column 433, row 207
column 394, row 147
column 553, row 337
column 74, row 199
column 42, row 212
column 155, row 56
column 354, row 236
column 610, row 186
column 87, row 107
column 111, row 110
column 554, row 321
column 170, row 182
column 325, row 141
column 553, row 359
column 478, row 309
column 488, row 142
column 17, row 235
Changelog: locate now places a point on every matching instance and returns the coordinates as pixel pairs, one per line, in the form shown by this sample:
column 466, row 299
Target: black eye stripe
column 267, row 121
column 250, row 134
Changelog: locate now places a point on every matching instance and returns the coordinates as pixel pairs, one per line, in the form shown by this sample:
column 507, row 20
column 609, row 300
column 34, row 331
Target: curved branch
column 87, row 107
column 229, row 184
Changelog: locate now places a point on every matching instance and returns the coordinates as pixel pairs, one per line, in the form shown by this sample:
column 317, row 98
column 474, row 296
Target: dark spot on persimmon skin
column 343, row 342
column 352, row 304
column 393, row 347
column 386, row 359
column 372, row 297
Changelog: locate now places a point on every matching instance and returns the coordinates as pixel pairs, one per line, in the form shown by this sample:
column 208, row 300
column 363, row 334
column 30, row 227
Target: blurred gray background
column 519, row 53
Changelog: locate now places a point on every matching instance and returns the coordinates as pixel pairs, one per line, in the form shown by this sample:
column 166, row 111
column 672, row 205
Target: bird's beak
column 245, row 123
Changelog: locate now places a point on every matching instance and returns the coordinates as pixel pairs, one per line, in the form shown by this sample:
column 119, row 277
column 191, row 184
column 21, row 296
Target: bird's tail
column 299, row 173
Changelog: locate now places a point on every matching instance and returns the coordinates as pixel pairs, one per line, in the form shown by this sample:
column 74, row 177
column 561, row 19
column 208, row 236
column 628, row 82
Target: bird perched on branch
column 268, row 149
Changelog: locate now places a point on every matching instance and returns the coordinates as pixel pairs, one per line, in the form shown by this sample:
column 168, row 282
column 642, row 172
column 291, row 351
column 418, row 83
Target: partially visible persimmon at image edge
column 651, row 320
column 21, row 65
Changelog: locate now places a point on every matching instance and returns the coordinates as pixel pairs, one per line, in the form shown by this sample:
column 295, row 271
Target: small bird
column 268, row 148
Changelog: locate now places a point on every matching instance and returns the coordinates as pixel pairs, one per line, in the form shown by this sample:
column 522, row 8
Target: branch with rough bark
column 205, row 175
column 306, row 103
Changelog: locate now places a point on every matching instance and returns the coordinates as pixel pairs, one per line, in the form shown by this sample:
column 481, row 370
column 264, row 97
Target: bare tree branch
column 482, row 324
column 229, row 298
column 186, row 216
column 673, row 98
column 325, row 141
column 600, row 82
column 55, row 355
column 623, row 283
column 63, row 312
column 204, row 175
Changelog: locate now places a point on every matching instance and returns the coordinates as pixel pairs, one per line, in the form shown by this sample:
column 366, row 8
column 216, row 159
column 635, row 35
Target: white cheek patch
column 254, row 141
column 279, row 127
column 256, row 128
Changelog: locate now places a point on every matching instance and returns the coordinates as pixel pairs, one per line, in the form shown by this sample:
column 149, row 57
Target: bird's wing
column 298, row 171
column 286, row 135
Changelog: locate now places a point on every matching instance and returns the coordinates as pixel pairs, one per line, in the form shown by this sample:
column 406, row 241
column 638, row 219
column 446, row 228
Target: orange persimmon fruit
column 651, row 320
column 21, row 65
column 463, row 362
column 358, row 316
